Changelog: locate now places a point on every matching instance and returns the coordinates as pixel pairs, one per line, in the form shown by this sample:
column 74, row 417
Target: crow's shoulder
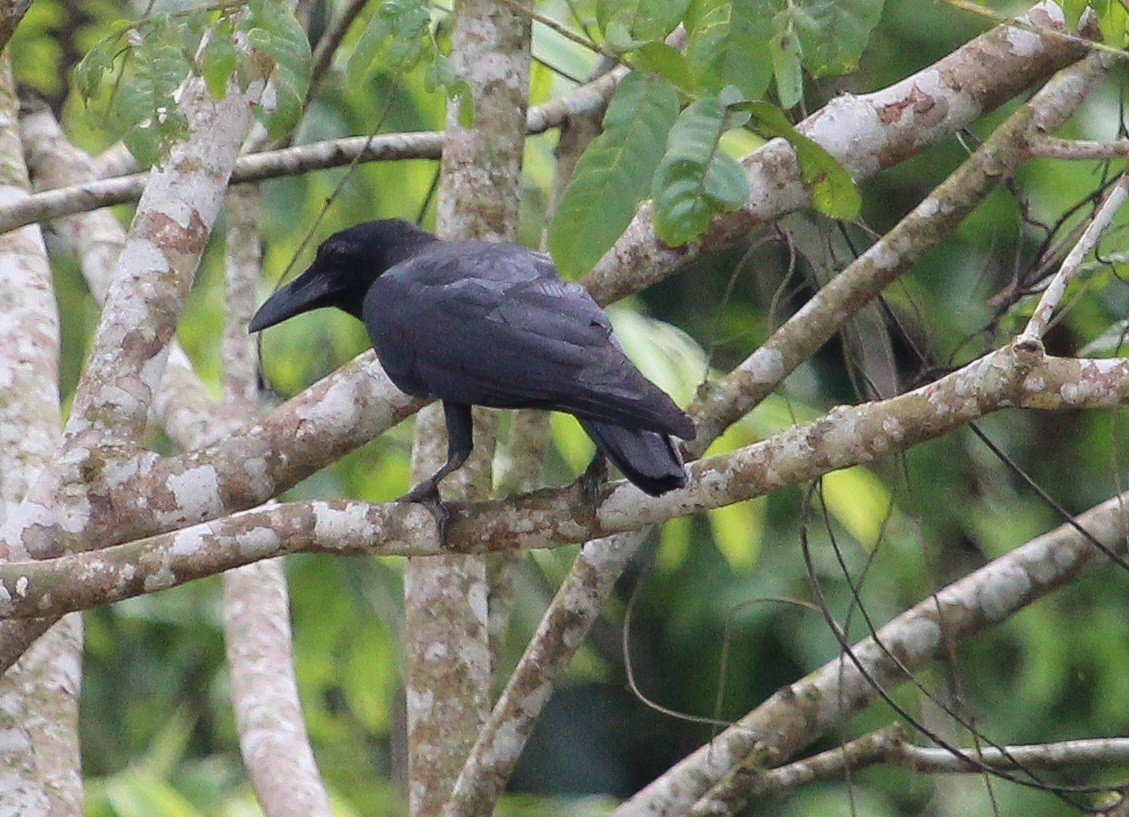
column 495, row 265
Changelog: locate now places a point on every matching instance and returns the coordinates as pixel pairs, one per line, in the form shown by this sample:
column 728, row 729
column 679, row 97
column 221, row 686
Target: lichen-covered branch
column 182, row 405
column 256, row 605
column 446, row 599
column 803, row 711
column 722, row 402
column 576, row 605
column 864, row 133
column 39, row 711
column 1018, row 376
column 889, row 746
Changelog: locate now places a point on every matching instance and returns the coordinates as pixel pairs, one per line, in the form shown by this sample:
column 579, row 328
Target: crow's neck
column 406, row 247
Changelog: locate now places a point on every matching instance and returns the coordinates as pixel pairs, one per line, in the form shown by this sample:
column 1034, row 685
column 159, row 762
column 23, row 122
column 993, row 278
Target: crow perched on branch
column 476, row 323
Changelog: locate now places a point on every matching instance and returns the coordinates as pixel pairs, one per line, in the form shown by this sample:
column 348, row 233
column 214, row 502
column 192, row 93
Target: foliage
column 734, row 50
column 156, row 54
column 398, row 37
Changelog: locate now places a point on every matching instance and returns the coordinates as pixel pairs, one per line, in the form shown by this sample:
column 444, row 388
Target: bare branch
column 1050, row 147
column 1066, row 754
column 1014, row 377
column 49, row 676
column 182, row 405
column 576, row 605
column 296, row 160
column 889, row 746
column 749, row 781
column 272, row 733
column 39, row 698
column 720, row 403
column 864, row 133
column 1033, row 333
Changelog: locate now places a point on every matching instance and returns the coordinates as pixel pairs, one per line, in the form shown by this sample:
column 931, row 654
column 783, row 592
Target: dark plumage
column 490, row 324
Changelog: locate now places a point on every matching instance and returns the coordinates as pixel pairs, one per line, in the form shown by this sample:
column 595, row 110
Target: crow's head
column 346, row 265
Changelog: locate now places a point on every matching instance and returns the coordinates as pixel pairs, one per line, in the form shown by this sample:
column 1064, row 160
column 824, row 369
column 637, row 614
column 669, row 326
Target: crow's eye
column 337, row 252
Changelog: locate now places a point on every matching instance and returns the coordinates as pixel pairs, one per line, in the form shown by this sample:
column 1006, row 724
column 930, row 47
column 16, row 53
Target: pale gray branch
column 1017, row 377
column 808, row 708
column 1072, row 264
column 294, row 161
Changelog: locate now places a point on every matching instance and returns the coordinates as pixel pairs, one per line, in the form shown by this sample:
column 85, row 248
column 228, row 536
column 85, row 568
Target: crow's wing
column 493, row 325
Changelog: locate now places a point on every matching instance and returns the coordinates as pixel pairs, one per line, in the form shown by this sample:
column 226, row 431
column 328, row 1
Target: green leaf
column 218, row 61
column 1072, row 10
column 614, row 173
column 668, row 62
column 618, row 38
column 696, row 179
column 786, row 68
column 100, row 59
column 1114, row 22
column 187, row 30
column 273, row 30
column 134, row 793
column 466, row 107
column 643, row 20
column 833, row 33
column 144, row 107
column 441, row 73
column 367, row 49
column 398, row 34
column 729, row 45
column 833, row 191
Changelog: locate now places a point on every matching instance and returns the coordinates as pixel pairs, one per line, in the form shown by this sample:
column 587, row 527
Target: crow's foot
column 591, row 482
column 427, row 495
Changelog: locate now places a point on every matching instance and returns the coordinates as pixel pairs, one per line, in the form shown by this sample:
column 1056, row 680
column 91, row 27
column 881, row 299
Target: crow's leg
column 460, row 442
column 593, row 479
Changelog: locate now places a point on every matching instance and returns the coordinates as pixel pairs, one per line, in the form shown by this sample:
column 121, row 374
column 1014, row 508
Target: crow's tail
column 648, row 459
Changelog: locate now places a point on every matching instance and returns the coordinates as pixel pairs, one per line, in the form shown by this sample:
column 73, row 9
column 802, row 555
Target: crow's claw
column 427, row 495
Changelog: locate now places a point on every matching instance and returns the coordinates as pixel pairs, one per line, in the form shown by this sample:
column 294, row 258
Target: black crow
column 478, row 323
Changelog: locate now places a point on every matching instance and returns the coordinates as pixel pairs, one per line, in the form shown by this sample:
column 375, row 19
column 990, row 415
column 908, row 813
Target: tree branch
column 182, row 405
column 864, row 133
column 801, row 712
column 722, row 402
column 889, row 746
column 295, row 161
column 1072, row 264
column 39, row 698
column 1014, row 377
column 272, row 732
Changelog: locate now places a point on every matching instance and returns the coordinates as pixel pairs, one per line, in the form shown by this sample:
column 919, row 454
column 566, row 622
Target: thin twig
column 1053, row 147
column 294, row 161
column 1037, row 326
column 564, row 31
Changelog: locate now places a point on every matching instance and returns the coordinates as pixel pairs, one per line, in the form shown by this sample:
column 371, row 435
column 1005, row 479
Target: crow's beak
column 310, row 290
